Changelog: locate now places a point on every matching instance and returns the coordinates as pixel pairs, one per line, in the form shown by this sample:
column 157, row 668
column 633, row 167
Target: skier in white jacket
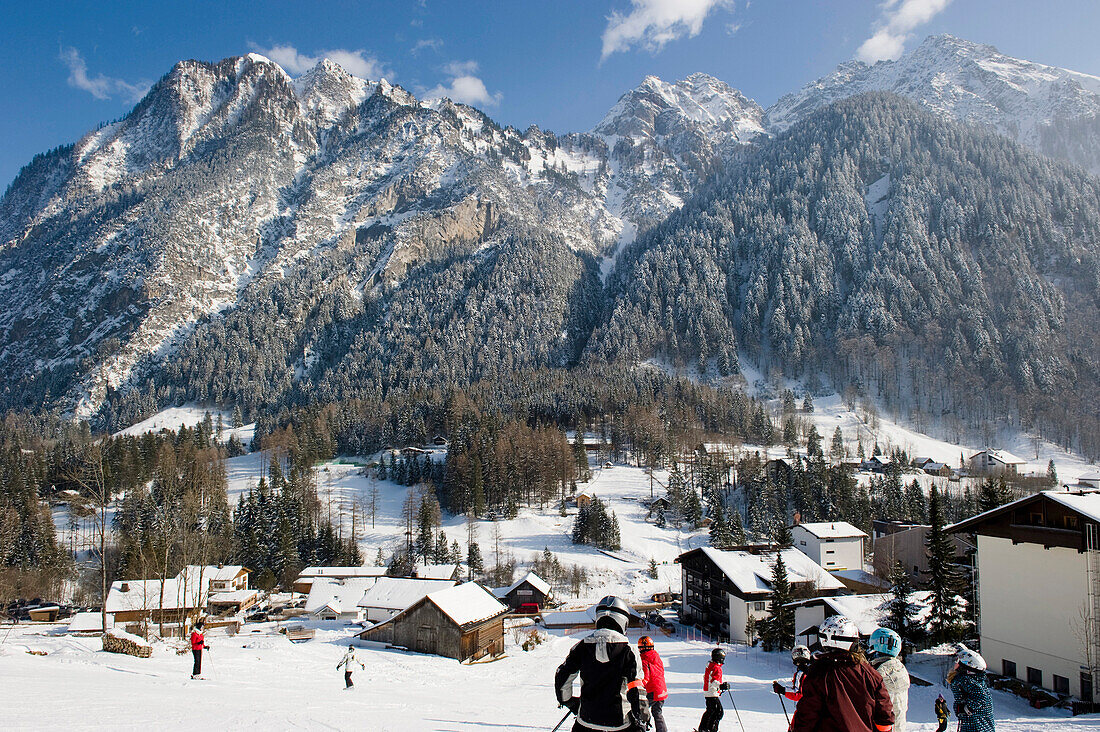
column 886, row 645
column 347, row 664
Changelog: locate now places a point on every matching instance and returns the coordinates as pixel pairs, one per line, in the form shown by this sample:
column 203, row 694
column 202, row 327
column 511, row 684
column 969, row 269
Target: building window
column 802, row 543
column 1008, row 668
column 1086, row 686
column 830, row 551
column 1034, row 676
column 1061, row 685
column 1035, row 519
column 829, row 564
column 759, row 606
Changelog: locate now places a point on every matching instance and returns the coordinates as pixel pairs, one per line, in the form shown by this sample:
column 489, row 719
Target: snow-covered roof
column 88, row 622
column 861, row 576
column 587, row 616
column 146, row 595
column 338, row 572
column 752, row 573
column 467, row 603
column 867, row 611
column 224, row 598
column 342, row 595
column 436, row 571
column 219, row 574
column 534, row 580
column 1001, row 456
column 1084, row 502
column 832, row 530
column 397, row 593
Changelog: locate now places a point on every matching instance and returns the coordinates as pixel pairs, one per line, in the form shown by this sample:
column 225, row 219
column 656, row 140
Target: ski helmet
column 351, row 647
column 970, row 659
column 718, row 656
column 838, row 632
column 800, row 654
column 615, row 609
column 886, row 642
column 645, row 643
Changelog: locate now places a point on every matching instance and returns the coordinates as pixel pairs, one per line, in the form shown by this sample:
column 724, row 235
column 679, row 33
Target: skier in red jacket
column 713, row 686
column 653, row 670
column 198, row 642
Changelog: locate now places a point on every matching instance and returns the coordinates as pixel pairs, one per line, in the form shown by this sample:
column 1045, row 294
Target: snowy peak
column 326, row 91
column 699, row 99
column 960, row 80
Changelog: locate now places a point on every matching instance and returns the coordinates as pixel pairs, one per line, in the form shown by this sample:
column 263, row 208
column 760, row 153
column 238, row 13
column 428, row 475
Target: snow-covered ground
column 190, row 415
column 258, row 679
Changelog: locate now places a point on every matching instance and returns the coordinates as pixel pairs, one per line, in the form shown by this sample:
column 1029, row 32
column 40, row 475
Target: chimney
column 125, row 587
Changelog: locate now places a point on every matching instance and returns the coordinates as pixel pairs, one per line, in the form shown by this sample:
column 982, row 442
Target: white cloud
column 653, row 23
column 100, row 86
column 357, row 63
column 433, row 43
column 463, row 86
column 899, row 19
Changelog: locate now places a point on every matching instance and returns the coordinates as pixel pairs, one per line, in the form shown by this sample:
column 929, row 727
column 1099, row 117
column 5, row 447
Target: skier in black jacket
column 612, row 695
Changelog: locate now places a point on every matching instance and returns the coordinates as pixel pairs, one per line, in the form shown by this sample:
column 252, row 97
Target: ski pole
column 784, row 705
column 567, row 713
column 738, row 714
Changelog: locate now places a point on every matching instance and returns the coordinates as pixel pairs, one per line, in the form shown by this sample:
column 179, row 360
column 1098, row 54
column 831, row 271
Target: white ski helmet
column 800, row 654
column 614, row 608
column 970, row 659
column 838, row 632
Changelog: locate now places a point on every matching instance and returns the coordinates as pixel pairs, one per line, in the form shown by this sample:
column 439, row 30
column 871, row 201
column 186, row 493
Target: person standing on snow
column 973, row 703
column 612, row 693
column 198, row 642
column 841, row 692
column 887, row 646
column 800, row 657
column 713, row 686
column 653, row 679
column 941, row 713
column 349, row 661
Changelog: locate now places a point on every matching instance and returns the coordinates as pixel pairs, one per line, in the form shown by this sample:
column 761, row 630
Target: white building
column 388, row 596
column 1038, row 570
column 832, row 544
column 723, row 589
column 866, row 611
column 994, row 462
column 310, row 574
column 337, row 599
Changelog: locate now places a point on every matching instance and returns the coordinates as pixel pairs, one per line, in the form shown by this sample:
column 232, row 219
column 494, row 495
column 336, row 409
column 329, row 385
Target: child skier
column 198, row 642
column 349, row 661
column 941, row 713
column 886, row 645
column 841, row 692
column 653, row 680
column 973, row 703
column 713, row 686
column 800, row 657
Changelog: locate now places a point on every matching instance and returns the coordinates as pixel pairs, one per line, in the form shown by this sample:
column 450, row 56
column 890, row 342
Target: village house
column 832, row 544
column 337, row 599
column 876, row 464
column 530, row 590
column 188, row 594
column 908, row 544
column 387, row 596
column 464, row 622
column 723, row 589
column 994, row 462
column 438, row 571
column 1038, row 589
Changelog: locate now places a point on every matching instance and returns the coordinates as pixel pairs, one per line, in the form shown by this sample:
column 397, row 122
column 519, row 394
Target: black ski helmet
column 718, row 655
column 615, row 609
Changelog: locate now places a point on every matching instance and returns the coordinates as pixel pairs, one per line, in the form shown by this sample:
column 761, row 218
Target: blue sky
column 66, row 67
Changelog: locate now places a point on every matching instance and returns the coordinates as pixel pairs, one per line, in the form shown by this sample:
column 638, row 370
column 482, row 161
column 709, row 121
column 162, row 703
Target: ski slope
column 259, row 680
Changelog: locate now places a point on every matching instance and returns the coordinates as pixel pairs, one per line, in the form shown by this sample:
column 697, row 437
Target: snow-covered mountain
column 229, row 175
column 968, row 82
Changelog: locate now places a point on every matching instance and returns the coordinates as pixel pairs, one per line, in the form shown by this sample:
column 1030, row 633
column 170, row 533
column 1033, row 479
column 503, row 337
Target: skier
column 841, row 692
column 653, row 679
column 941, row 713
column 349, row 661
column 612, row 692
column 713, row 686
column 198, row 642
column 800, row 657
column 973, row 704
column 887, row 646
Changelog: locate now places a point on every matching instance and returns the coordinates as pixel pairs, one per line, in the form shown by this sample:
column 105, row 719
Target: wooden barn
column 464, row 622
column 530, row 590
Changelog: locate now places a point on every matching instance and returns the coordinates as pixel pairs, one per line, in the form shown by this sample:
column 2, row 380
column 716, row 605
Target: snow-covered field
column 259, row 680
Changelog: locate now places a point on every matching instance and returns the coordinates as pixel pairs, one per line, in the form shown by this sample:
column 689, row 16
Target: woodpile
column 114, row 644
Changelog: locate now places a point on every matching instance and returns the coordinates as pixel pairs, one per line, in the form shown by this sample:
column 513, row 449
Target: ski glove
column 724, row 686
column 778, row 688
column 573, row 704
